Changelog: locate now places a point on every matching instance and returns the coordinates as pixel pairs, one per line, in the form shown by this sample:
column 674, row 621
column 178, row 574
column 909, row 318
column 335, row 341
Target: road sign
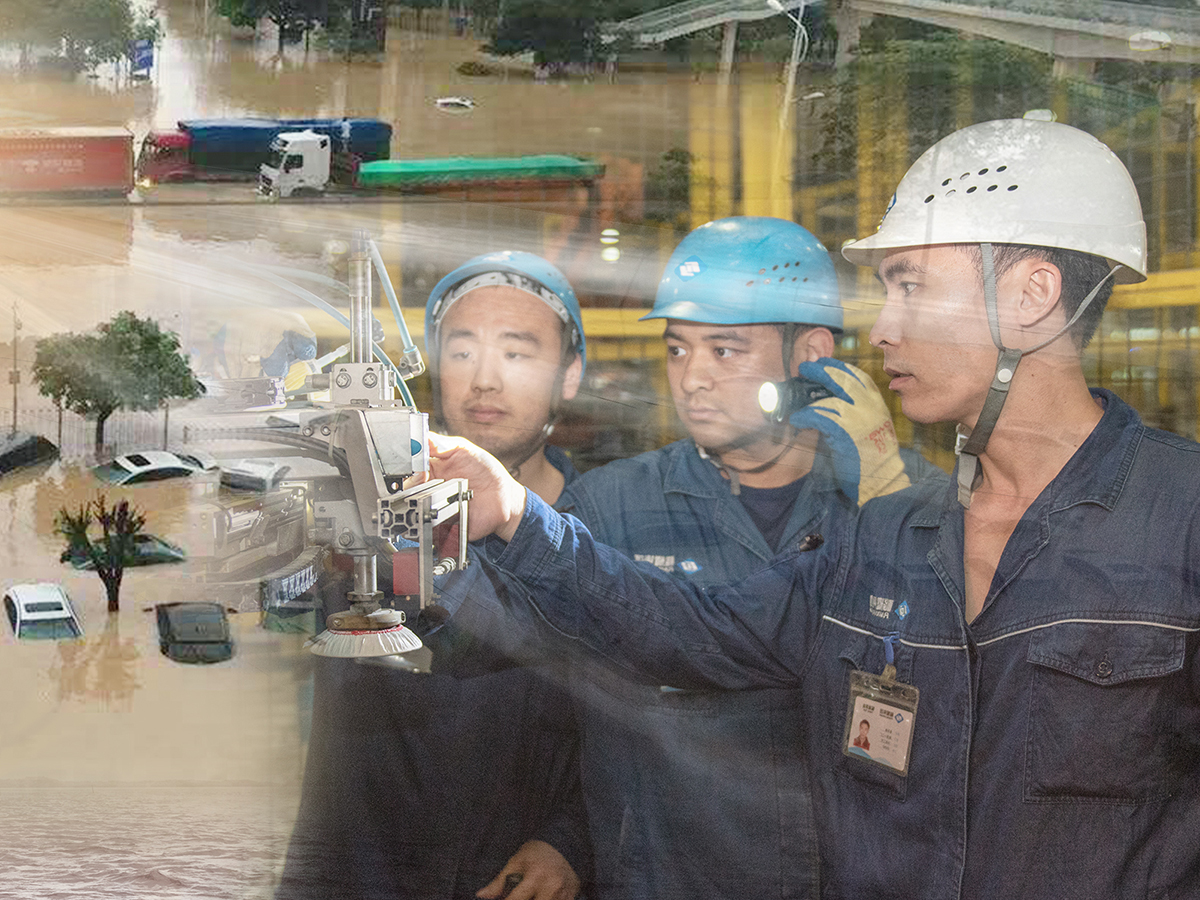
column 141, row 53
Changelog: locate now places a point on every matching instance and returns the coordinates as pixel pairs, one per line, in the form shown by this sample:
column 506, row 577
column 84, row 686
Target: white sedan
column 41, row 611
column 152, row 465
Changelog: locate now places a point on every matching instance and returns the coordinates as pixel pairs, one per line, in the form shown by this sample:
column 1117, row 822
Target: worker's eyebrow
column 718, row 337
column 527, row 337
column 891, row 270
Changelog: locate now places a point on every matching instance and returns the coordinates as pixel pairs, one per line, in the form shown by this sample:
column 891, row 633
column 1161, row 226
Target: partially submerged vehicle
column 194, row 632
column 253, row 474
column 152, row 465
column 19, row 449
column 147, row 550
column 41, row 611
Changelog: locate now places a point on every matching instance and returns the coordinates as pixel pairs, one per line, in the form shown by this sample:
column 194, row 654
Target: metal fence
column 123, row 432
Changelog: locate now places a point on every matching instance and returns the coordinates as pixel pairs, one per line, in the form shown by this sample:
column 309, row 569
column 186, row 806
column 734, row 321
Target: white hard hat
column 1016, row 181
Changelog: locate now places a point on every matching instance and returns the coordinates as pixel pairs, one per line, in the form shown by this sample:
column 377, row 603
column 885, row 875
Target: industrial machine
column 266, row 548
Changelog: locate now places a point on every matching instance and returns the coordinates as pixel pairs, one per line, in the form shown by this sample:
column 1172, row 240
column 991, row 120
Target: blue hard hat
column 748, row 270
column 548, row 283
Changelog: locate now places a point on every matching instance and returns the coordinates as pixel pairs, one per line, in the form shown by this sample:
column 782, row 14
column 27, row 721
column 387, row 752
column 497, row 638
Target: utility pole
column 14, row 376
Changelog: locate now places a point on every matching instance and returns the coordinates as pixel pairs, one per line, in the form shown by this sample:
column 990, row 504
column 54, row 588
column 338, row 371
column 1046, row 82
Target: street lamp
column 799, row 48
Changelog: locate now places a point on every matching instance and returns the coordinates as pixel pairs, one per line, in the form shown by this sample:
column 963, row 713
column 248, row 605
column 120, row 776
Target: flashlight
column 778, row 400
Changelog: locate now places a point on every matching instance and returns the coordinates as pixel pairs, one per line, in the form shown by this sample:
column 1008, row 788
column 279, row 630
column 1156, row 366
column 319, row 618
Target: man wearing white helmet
column 1023, row 643
column 674, row 779
column 460, row 782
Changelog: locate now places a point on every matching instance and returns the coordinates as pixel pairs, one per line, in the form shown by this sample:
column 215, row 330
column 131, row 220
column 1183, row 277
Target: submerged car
column 41, row 611
column 194, row 632
column 20, row 449
column 147, row 550
column 253, row 474
column 152, row 465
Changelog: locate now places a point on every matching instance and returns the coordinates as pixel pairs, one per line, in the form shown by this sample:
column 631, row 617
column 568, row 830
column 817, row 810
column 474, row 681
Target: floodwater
column 123, row 774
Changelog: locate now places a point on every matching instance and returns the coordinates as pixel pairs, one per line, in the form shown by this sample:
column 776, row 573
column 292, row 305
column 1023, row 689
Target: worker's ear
column 812, row 344
column 1037, row 292
column 572, row 375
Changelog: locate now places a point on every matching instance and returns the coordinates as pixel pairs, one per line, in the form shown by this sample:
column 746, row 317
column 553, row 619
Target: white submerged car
column 41, row 611
column 153, row 465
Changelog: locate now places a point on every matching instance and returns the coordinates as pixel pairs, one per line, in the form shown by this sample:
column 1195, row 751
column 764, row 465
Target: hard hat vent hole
column 766, row 281
column 983, row 171
column 929, row 198
column 805, row 278
column 782, row 279
column 946, row 182
column 762, row 271
column 773, row 268
column 971, row 189
column 1012, row 187
column 749, row 284
column 793, row 278
column 950, row 192
column 797, row 262
column 992, row 187
column 964, row 175
column 1001, row 168
column 786, row 265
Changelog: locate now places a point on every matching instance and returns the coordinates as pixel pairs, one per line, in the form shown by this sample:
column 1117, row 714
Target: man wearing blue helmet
column 696, row 794
column 460, row 782
column 505, row 340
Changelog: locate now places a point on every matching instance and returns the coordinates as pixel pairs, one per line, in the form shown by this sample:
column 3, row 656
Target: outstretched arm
column 557, row 579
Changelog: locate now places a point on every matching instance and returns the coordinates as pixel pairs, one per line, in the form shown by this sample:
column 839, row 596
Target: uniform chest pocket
column 1105, row 712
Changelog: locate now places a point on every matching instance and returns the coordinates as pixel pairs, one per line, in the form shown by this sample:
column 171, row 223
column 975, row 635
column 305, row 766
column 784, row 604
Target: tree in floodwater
column 291, row 18
column 112, row 550
column 128, row 363
column 84, row 32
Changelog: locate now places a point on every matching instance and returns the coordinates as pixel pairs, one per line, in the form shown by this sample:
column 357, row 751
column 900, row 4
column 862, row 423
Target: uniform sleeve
column 558, row 581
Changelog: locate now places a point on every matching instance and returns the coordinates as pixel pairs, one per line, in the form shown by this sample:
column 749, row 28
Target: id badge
column 879, row 721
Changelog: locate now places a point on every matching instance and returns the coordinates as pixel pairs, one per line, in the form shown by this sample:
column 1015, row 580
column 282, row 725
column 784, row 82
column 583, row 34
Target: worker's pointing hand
column 498, row 500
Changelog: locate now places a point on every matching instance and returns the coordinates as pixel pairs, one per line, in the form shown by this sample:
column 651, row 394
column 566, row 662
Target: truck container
column 305, row 162
column 233, row 149
column 69, row 161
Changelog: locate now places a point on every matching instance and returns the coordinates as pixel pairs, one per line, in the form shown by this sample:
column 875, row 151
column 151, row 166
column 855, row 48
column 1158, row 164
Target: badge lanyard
column 880, row 715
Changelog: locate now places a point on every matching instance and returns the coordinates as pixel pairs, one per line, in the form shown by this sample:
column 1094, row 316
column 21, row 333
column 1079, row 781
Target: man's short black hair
column 1080, row 273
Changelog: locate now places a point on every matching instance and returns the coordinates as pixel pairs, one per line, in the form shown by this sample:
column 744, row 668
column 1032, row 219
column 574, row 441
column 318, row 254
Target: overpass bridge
column 1064, row 29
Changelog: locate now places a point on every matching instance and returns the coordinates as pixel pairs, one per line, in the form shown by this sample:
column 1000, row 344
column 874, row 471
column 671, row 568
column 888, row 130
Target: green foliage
column 938, row 74
column 668, row 188
column 128, row 363
column 556, row 32
column 112, row 550
column 290, row 17
column 88, row 32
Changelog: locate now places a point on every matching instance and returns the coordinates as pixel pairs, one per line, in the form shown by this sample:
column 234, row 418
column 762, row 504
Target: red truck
column 65, row 161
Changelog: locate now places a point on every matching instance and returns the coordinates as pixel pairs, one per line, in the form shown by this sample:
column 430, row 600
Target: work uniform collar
column 558, row 458
column 1095, row 474
column 691, row 474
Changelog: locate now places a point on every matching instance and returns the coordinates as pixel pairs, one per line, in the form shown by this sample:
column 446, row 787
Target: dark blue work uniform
column 1056, row 743
column 421, row 787
column 694, row 794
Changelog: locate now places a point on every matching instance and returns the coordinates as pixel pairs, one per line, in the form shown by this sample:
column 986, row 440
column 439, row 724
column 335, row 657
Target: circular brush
column 351, row 636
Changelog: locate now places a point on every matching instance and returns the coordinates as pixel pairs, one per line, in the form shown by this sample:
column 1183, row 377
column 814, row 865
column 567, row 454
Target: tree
column 86, row 32
column 290, row 17
column 111, row 552
column 558, row 32
column 128, row 363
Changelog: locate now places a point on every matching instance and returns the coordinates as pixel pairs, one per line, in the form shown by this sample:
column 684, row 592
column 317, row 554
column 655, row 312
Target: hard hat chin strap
column 973, row 442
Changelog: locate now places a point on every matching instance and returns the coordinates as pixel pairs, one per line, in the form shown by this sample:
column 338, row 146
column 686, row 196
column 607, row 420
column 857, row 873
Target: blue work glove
column 857, row 428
